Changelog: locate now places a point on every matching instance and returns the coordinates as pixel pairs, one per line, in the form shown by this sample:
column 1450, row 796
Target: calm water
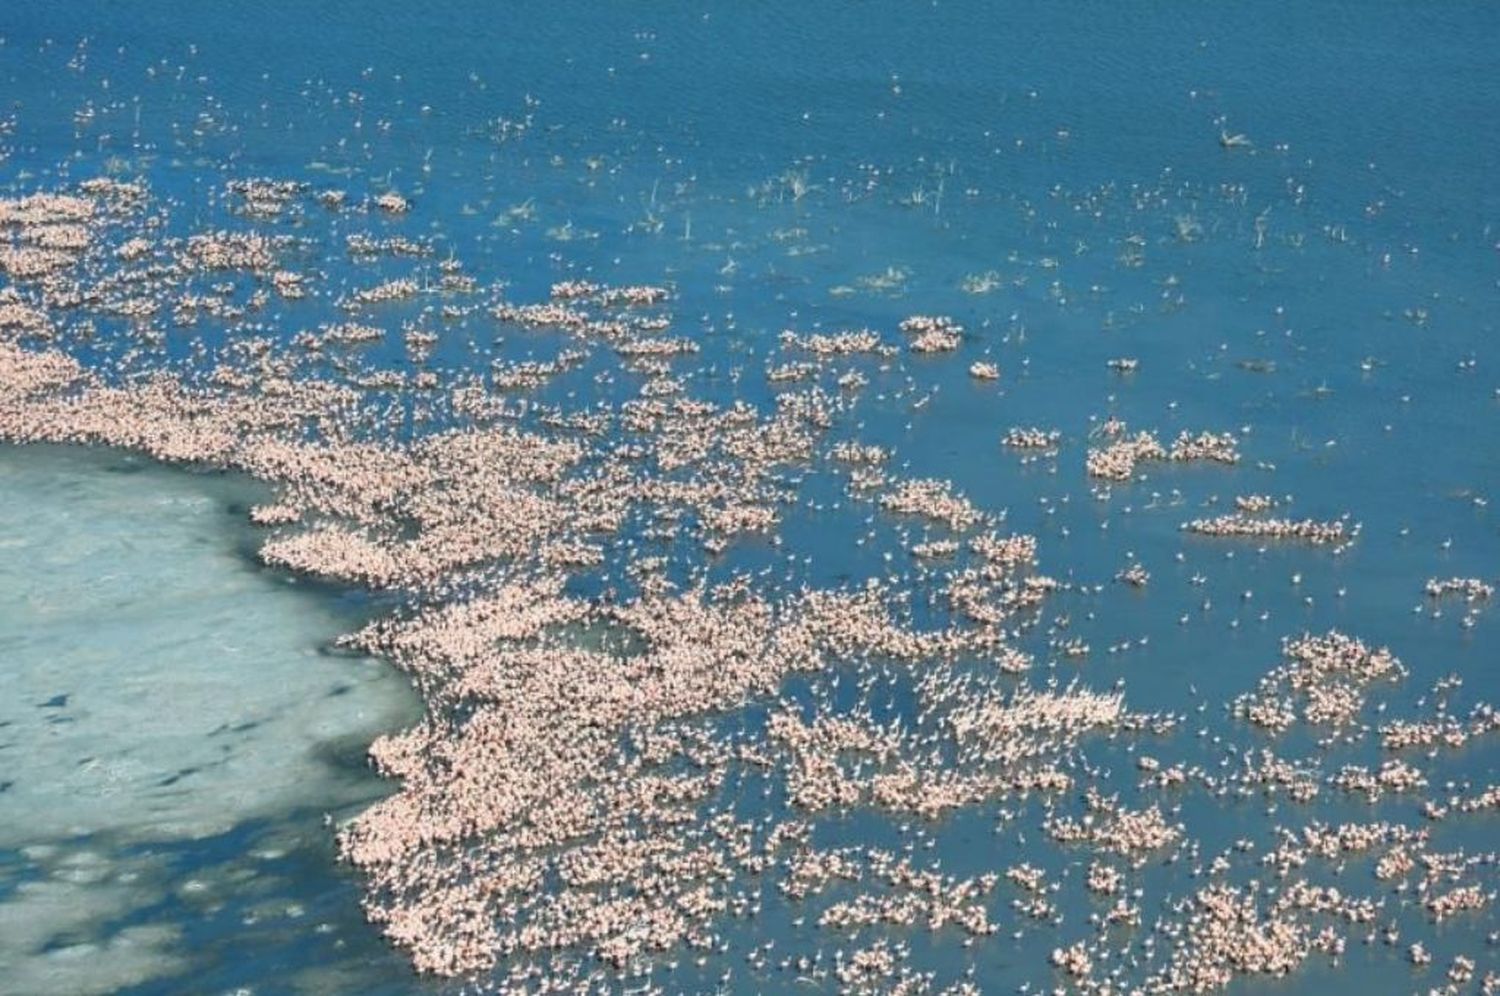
column 1051, row 176
column 171, row 734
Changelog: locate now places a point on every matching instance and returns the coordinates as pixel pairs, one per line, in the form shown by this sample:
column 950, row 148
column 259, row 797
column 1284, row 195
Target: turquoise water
column 1053, row 177
column 172, row 734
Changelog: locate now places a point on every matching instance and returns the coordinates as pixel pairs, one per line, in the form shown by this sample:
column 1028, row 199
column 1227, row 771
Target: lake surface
column 1061, row 179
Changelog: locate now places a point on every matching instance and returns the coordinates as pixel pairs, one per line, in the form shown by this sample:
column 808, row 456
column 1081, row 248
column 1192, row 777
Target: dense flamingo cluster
column 562, row 804
column 1322, row 682
column 932, row 333
column 1307, row 530
column 1117, row 460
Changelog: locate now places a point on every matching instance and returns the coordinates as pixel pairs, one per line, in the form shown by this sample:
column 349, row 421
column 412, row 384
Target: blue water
column 1334, row 288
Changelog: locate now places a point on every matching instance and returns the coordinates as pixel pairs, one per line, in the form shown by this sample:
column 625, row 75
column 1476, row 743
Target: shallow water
column 170, row 735
column 1052, row 177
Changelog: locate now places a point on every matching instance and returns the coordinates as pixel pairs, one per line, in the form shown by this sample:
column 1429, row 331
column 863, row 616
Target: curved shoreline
column 668, row 802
